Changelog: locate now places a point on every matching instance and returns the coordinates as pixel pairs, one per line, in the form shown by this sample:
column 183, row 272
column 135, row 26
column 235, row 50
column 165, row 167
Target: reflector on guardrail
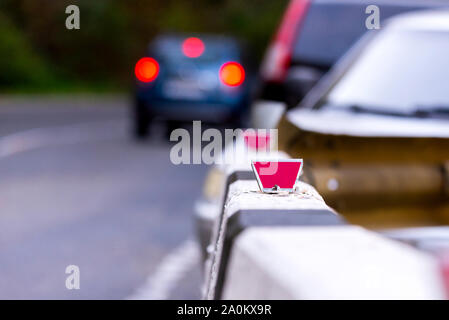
column 276, row 176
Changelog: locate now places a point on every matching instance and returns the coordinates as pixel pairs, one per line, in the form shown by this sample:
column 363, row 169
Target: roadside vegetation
column 40, row 55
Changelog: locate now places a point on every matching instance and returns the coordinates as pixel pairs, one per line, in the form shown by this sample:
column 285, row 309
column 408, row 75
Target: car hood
column 340, row 122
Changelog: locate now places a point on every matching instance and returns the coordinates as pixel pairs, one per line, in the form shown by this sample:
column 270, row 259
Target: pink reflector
column 281, row 173
column 444, row 257
column 257, row 140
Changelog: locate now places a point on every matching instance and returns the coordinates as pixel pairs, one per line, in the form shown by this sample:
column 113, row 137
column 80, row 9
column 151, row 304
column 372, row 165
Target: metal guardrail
column 246, row 208
column 346, row 262
column 293, row 246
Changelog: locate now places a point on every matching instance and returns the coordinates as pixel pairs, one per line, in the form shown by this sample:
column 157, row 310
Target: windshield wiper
column 431, row 111
column 416, row 112
column 375, row 110
column 355, row 108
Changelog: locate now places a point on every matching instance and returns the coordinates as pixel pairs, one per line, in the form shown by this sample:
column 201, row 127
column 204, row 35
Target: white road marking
column 176, row 264
column 50, row 136
column 168, row 273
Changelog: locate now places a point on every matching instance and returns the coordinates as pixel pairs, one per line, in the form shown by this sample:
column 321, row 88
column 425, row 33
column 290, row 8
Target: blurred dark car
column 185, row 78
column 374, row 132
column 313, row 35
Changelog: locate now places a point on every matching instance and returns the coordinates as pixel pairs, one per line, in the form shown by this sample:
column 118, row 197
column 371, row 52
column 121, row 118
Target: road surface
column 75, row 189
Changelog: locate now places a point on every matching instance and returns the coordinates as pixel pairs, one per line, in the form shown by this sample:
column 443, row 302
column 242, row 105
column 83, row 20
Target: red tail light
column 232, row 74
column 193, row 47
column 146, row 69
column 278, row 56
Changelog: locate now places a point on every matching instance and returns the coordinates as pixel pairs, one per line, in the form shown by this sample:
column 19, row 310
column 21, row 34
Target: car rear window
column 170, row 48
column 331, row 28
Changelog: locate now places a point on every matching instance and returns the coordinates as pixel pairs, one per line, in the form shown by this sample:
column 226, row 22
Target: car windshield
column 400, row 72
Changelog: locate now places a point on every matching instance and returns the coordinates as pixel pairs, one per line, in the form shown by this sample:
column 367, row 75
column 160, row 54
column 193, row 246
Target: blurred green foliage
column 39, row 52
column 19, row 66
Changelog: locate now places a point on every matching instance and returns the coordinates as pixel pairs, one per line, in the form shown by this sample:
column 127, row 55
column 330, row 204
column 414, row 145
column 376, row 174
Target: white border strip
column 173, row 267
column 32, row 139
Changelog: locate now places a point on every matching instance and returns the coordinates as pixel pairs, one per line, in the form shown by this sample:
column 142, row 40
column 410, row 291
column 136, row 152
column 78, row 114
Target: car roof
column 211, row 40
column 429, row 20
column 207, row 37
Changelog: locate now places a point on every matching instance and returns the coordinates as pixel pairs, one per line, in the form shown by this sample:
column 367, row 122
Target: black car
column 313, row 35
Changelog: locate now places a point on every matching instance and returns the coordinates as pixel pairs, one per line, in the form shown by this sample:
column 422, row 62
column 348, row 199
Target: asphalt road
column 75, row 189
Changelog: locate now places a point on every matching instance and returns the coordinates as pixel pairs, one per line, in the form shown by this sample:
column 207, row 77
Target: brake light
column 146, row 69
column 193, row 47
column 232, row 74
column 277, row 60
